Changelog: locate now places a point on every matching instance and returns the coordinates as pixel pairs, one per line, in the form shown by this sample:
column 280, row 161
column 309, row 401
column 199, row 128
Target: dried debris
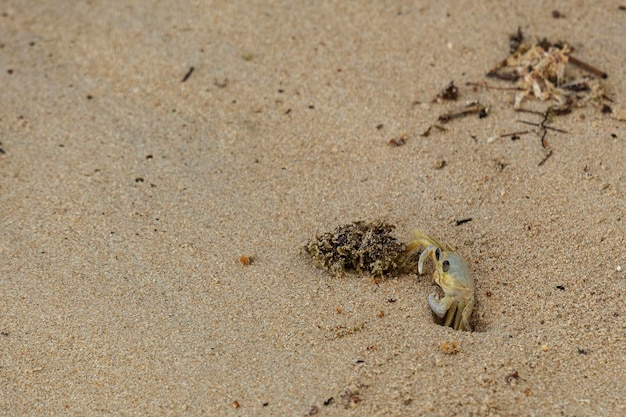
column 188, row 74
column 545, row 158
column 513, row 377
column 515, row 40
column 361, row 247
column 450, row 92
column 543, row 127
column 350, row 398
column 463, row 221
column 472, row 107
column 426, row 133
column 338, row 332
column 557, row 15
column 399, row 141
column 450, row 348
column 539, row 70
column 439, row 164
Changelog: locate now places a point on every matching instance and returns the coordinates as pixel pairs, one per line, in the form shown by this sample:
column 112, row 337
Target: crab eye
column 445, row 266
column 438, row 253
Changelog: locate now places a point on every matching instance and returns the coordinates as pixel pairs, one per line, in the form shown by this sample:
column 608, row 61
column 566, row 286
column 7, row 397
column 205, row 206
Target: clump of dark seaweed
column 361, row 247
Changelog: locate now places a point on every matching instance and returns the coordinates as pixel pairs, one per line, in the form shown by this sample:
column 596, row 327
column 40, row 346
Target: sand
column 128, row 196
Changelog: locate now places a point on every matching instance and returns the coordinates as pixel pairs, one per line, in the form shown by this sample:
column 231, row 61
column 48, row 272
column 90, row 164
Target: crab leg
column 459, row 316
column 450, row 315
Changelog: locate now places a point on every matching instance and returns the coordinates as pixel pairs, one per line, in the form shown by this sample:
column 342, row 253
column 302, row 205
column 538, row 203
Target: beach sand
column 147, row 147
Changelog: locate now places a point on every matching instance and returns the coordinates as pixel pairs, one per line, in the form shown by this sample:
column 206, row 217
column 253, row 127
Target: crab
column 452, row 275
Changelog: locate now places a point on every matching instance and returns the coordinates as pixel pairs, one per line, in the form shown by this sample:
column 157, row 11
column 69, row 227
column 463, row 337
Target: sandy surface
column 128, row 196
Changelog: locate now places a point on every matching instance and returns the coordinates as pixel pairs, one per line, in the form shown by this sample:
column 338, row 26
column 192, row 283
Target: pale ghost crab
column 452, row 275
